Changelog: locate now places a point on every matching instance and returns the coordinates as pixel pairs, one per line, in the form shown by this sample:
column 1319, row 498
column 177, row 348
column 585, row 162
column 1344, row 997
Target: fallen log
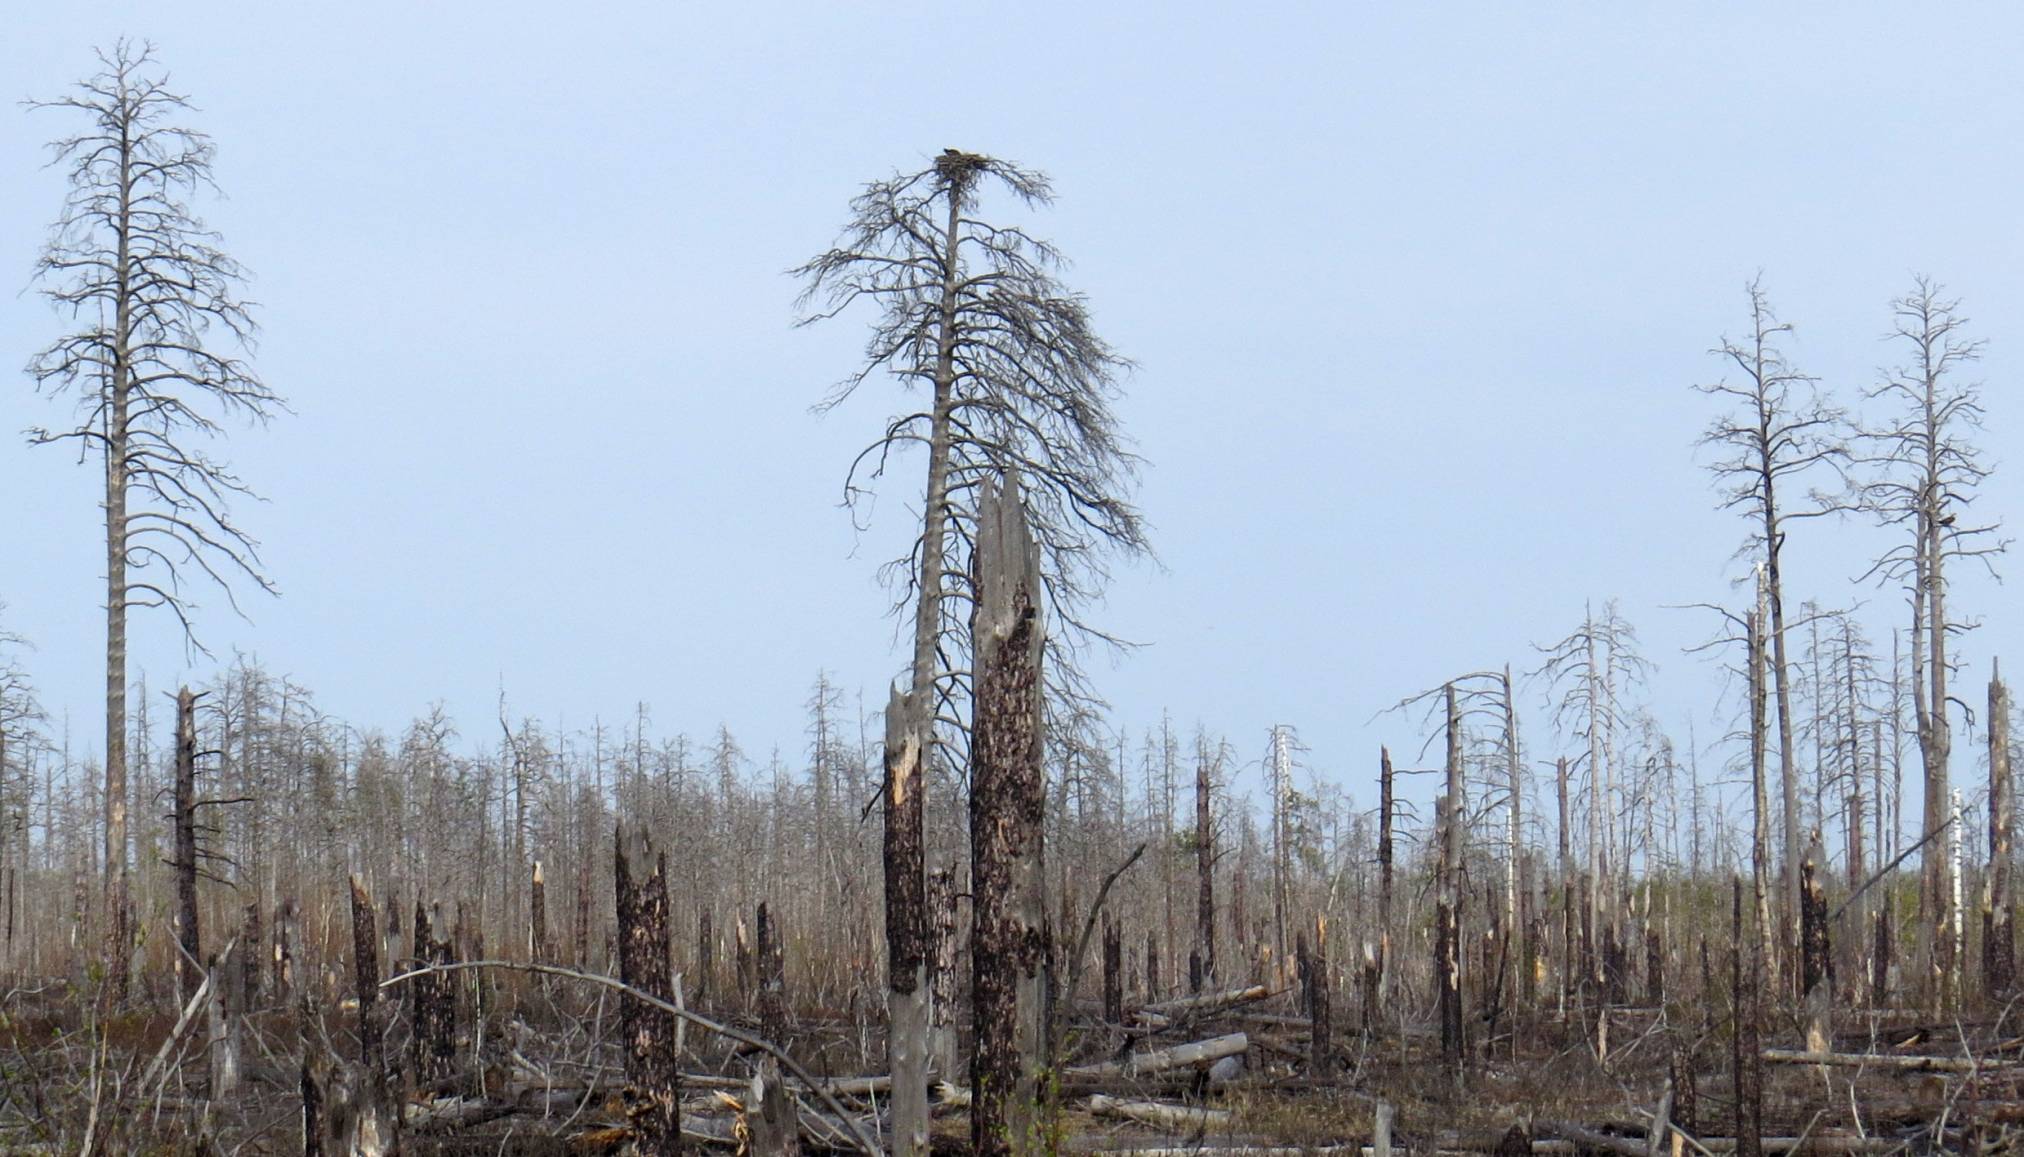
column 1158, row 1113
column 1191, row 1005
column 1911, row 1064
column 1200, row 1052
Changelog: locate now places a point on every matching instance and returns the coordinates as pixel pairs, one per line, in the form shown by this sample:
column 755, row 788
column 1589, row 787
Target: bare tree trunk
column 1113, row 972
column 1155, row 990
column 432, row 1004
column 537, row 919
column 906, row 920
column 1514, row 774
column 377, row 1121
column 1007, row 808
column 1384, row 878
column 1570, row 962
column 652, row 1068
column 1321, row 1052
column 706, row 956
column 188, row 929
column 1747, row 1057
column 1448, row 909
column 1815, row 967
column 1205, row 873
column 1999, row 941
column 772, row 979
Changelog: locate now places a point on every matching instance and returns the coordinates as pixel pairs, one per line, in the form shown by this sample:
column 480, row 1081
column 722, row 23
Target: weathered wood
column 1321, row 1043
column 771, row 1116
column 1163, row 1115
column 1008, row 940
column 1815, row 975
column 1113, row 972
column 1200, row 1052
column 906, row 924
column 1999, row 939
column 432, row 1005
column 1746, row 1050
column 772, row 978
column 653, row 1077
column 537, row 916
column 1184, row 1007
column 1895, row 1061
column 1448, row 906
column 1202, row 961
column 222, row 1038
column 363, row 1116
column 188, row 930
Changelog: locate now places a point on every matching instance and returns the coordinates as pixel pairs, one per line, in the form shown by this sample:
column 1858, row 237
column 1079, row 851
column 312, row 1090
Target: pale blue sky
column 1417, row 293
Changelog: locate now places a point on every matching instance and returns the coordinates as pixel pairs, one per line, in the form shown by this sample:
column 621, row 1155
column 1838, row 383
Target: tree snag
column 652, row 1068
column 1007, row 806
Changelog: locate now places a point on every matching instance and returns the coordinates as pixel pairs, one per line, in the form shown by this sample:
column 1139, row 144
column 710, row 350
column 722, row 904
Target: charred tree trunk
column 432, row 1004
column 1999, row 942
column 187, row 929
column 1008, row 946
column 772, row 979
column 1113, row 972
column 706, row 956
column 1154, row 990
column 653, row 1074
column 1384, row 883
column 1205, row 875
column 1747, row 1055
column 906, row 919
column 1321, row 1042
column 251, row 973
column 537, row 918
column 1448, row 908
column 375, row 1112
column 1816, row 975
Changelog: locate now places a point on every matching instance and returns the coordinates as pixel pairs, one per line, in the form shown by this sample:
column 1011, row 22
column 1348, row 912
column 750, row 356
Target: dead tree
column 906, row 919
column 1205, row 872
column 1113, row 972
column 772, row 978
column 1779, row 430
column 1925, row 474
column 1747, row 1054
column 1321, row 1042
column 1008, row 947
column 537, row 918
column 188, row 930
column 1374, row 1011
column 432, row 1004
column 1999, row 936
column 1448, row 908
column 652, row 1069
column 706, row 956
column 1816, row 970
column 373, row 1115
column 156, row 308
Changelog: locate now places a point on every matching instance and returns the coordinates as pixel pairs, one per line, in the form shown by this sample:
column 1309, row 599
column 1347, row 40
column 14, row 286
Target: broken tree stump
column 653, row 1076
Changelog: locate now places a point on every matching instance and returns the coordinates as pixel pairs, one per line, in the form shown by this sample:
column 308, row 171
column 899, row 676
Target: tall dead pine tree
column 1008, row 940
column 653, row 1076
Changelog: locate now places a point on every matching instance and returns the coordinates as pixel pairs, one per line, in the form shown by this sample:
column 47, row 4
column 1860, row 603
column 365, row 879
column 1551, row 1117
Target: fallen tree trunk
column 1158, row 1113
column 1194, row 1053
column 1910, row 1064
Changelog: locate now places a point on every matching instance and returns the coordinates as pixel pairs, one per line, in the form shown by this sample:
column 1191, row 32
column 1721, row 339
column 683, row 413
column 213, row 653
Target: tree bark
column 653, row 1076
column 1448, row 909
column 188, row 928
column 1999, row 942
column 906, row 921
column 1205, row 876
column 1007, row 808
